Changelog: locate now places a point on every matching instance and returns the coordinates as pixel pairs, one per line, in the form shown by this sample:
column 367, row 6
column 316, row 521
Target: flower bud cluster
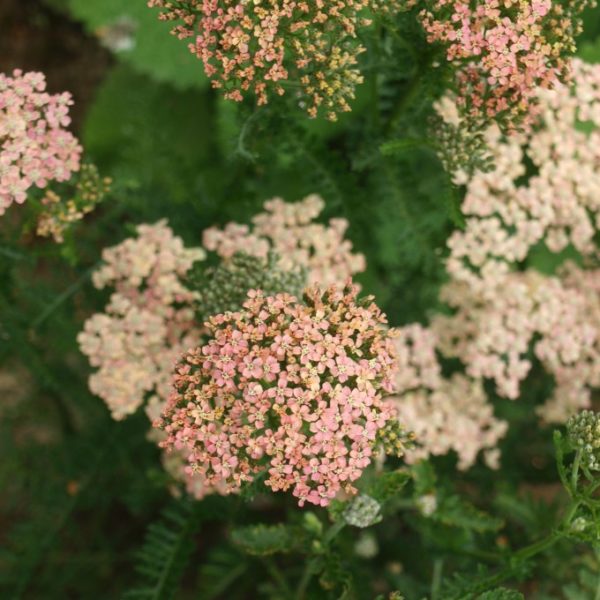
column 290, row 231
column 59, row 215
column 35, row 147
column 362, row 512
column 290, row 388
column 584, row 433
column 224, row 288
column 394, row 439
column 461, row 146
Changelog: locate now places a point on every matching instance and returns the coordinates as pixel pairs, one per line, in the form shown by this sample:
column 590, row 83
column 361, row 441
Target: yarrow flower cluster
column 445, row 414
column 504, row 51
column 35, row 147
column 159, row 302
column 258, row 46
column 163, row 293
column 584, row 434
column 148, row 322
column 493, row 334
column 59, row 215
column 509, row 210
column 544, row 189
column 290, row 388
column 289, row 230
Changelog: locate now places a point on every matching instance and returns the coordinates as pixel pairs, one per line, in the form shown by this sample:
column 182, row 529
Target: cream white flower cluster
column 148, row 321
column 445, row 413
column 544, row 191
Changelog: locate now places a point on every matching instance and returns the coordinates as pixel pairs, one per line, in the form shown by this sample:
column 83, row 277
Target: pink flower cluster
column 258, row 46
column 504, row 51
column 35, row 147
column 148, row 322
column 287, row 388
column 445, row 414
column 289, row 230
column 502, row 312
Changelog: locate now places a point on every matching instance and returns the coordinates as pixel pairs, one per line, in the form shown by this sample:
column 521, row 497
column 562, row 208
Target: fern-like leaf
column 165, row 553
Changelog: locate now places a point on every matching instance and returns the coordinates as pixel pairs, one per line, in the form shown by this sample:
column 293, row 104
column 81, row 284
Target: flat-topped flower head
column 35, row 147
column 287, row 388
column 290, row 231
column 503, row 51
column 555, row 317
column 148, row 322
column 544, row 187
column 257, row 47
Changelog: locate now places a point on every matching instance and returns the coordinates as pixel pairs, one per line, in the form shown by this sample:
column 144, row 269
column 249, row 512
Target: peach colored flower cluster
column 148, row 322
column 289, row 230
column 493, row 333
column 258, row 46
column 504, row 50
column 288, row 388
column 509, row 210
column 35, row 147
column 445, row 414
column 544, row 189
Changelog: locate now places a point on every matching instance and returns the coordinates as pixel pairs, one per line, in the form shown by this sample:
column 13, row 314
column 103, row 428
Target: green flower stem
column 277, row 576
column 309, row 569
column 436, row 580
column 528, row 552
column 575, row 472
